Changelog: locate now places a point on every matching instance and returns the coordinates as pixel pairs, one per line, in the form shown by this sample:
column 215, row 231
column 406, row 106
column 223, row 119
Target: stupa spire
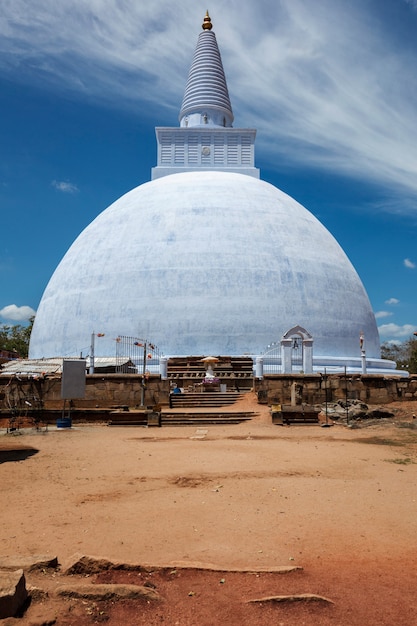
column 206, row 98
column 205, row 139
column 207, row 25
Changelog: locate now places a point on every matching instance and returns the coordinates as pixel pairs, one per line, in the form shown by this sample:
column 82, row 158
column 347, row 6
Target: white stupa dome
column 205, row 263
column 206, row 259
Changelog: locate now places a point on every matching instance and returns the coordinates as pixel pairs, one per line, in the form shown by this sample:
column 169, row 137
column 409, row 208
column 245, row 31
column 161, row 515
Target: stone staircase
column 187, row 409
column 234, row 372
column 203, row 399
column 205, row 418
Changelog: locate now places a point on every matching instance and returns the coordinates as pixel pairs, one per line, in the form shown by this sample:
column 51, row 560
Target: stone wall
column 102, row 391
column 111, row 391
column 316, row 388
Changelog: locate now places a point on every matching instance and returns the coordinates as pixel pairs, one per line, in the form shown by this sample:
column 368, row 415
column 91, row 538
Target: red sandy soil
column 338, row 502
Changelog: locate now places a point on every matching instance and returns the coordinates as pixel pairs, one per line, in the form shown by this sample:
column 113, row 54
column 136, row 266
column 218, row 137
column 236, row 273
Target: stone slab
column 28, row 563
column 13, row 593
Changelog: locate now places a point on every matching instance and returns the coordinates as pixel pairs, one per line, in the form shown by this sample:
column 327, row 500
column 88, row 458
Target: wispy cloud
column 409, row 264
column 381, row 314
column 395, row 331
column 328, row 85
column 392, row 301
column 17, row 313
column 64, row 186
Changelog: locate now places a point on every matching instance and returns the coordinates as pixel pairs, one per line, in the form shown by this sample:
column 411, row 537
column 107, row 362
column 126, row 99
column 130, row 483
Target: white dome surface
column 204, row 263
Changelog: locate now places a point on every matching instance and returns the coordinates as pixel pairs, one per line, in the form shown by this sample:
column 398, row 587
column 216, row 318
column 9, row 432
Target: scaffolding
column 24, row 403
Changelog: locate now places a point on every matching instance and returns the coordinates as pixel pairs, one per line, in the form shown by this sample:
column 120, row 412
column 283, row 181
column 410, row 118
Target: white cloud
column 17, row 313
column 64, row 186
column 410, row 264
column 392, row 301
column 327, row 84
column 381, row 314
column 395, row 331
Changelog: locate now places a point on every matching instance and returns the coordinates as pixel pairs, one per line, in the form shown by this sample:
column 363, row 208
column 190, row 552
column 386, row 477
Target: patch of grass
column 409, row 425
column 406, row 461
column 380, row 441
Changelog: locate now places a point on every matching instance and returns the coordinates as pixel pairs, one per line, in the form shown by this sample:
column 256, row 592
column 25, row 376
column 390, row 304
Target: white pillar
column 91, row 370
column 259, row 369
column 308, row 356
column 286, row 356
column 163, row 367
column 363, row 358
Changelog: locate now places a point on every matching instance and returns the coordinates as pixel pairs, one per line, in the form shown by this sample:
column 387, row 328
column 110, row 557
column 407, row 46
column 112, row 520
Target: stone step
column 180, row 418
column 193, row 404
column 188, row 419
column 293, row 419
column 203, row 399
column 127, row 423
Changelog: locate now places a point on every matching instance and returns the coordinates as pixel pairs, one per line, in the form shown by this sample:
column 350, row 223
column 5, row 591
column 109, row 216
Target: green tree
column 412, row 355
column 404, row 354
column 16, row 338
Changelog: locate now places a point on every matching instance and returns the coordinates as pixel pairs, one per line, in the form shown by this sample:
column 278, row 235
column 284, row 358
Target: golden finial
column 207, row 25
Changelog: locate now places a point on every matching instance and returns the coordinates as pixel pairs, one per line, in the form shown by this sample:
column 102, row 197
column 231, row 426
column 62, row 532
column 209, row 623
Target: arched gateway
column 297, row 351
column 293, row 353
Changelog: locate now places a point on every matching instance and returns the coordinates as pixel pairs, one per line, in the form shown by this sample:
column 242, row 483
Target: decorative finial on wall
column 207, row 25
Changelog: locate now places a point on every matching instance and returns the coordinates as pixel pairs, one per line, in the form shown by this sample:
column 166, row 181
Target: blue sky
column 331, row 87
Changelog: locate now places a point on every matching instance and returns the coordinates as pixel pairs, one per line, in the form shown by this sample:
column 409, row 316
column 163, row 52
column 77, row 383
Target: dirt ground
column 195, row 506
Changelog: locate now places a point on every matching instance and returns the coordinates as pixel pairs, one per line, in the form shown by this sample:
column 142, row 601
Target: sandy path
column 252, row 496
column 242, row 495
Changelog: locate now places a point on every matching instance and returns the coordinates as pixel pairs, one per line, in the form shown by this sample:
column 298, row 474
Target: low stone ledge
column 82, row 564
column 301, row 597
column 37, row 594
column 108, row 592
column 28, row 563
column 275, row 569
